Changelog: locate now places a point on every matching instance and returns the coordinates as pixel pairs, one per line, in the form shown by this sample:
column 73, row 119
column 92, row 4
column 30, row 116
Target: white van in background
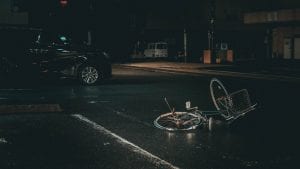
column 156, row 50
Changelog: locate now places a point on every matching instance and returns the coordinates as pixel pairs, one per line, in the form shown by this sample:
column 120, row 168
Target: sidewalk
column 270, row 72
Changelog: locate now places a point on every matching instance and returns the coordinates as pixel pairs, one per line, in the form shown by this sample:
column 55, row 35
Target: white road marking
column 125, row 143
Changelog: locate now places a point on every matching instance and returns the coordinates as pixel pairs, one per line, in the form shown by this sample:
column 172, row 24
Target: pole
column 185, row 44
column 211, row 31
column 89, row 38
column 90, row 15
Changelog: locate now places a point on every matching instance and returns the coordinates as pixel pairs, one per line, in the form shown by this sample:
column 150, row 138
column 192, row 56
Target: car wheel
column 89, row 74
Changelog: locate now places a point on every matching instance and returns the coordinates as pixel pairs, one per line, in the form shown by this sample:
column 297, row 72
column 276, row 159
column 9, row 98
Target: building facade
column 12, row 13
column 252, row 29
column 284, row 31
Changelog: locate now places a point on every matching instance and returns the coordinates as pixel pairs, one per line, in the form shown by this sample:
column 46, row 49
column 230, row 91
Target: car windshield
column 64, row 40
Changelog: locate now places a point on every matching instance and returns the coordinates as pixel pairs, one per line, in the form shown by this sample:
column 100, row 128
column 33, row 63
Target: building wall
column 283, row 21
column 283, row 15
column 10, row 15
column 278, row 38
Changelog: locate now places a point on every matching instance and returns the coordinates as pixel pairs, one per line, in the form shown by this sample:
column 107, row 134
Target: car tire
column 90, row 74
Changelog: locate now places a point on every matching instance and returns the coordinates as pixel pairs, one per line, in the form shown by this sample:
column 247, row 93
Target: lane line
column 125, row 143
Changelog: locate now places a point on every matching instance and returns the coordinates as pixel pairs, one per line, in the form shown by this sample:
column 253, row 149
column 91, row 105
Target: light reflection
column 170, row 136
column 190, row 137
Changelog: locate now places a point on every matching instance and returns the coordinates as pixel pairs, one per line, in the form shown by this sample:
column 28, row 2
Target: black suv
column 29, row 53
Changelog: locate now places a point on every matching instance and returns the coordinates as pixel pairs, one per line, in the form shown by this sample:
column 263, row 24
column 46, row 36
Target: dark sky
column 173, row 6
column 192, row 10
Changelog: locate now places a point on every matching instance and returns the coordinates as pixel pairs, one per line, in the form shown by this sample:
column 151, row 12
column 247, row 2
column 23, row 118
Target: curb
column 218, row 73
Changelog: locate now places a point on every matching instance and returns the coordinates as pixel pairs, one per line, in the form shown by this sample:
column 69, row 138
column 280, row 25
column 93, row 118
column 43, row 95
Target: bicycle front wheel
column 178, row 121
column 219, row 96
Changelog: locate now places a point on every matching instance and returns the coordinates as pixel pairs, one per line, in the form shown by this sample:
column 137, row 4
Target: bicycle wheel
column 178, row 121
column 219, row 96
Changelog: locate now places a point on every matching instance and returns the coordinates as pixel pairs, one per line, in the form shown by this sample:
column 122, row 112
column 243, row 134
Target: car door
column 55, row 54
column 65, row 58
column 41, row 52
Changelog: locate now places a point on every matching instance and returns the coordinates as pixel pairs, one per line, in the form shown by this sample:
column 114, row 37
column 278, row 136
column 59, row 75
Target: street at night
column 111, row 125
column 149, row 84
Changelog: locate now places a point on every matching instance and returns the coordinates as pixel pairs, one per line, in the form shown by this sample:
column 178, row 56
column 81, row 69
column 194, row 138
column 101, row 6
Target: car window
column 48, row 38
column 63, row 40
column 44, row 38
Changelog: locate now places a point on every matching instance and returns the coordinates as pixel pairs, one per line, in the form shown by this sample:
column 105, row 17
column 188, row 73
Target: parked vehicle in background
column 27, row 53
column 156, row 50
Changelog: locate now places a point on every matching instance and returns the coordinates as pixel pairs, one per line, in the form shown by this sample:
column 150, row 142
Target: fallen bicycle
column 230, row 106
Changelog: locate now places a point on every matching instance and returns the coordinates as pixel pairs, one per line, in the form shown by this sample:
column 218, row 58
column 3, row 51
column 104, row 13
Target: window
column 161, row 46
column 151, row 46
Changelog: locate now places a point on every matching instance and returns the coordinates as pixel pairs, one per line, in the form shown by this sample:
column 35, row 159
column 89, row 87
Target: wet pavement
column 111, row 125
column 272, row 71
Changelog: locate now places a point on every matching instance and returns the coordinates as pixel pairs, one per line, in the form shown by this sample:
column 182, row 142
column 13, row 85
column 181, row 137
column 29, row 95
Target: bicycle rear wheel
column 178, row 121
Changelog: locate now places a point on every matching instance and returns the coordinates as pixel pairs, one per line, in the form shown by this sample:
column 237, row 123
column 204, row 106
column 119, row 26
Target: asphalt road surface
column 62, row 125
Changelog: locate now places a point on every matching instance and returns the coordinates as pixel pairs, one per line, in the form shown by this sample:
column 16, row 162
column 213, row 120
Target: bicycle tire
column 178, row 121
column 217, row 91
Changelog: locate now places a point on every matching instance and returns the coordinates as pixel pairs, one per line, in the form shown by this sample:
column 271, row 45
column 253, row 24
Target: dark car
column 30, row 53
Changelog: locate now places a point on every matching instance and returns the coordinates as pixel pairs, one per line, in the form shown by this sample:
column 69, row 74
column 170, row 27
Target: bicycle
column 229, row 107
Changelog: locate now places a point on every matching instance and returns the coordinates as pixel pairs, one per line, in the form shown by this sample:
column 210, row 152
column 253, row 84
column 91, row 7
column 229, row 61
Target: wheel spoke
column 89, row 75
column 179, row 121
column 89, row 80
column 219, row 96
column 84, row 74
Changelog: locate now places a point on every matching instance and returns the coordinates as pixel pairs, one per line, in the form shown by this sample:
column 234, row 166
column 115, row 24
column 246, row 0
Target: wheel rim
column 218, row 91
column 89, row 75
column 170, row 121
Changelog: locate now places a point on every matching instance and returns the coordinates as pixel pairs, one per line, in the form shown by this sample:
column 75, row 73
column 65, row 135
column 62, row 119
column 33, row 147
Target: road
column 110, row 126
